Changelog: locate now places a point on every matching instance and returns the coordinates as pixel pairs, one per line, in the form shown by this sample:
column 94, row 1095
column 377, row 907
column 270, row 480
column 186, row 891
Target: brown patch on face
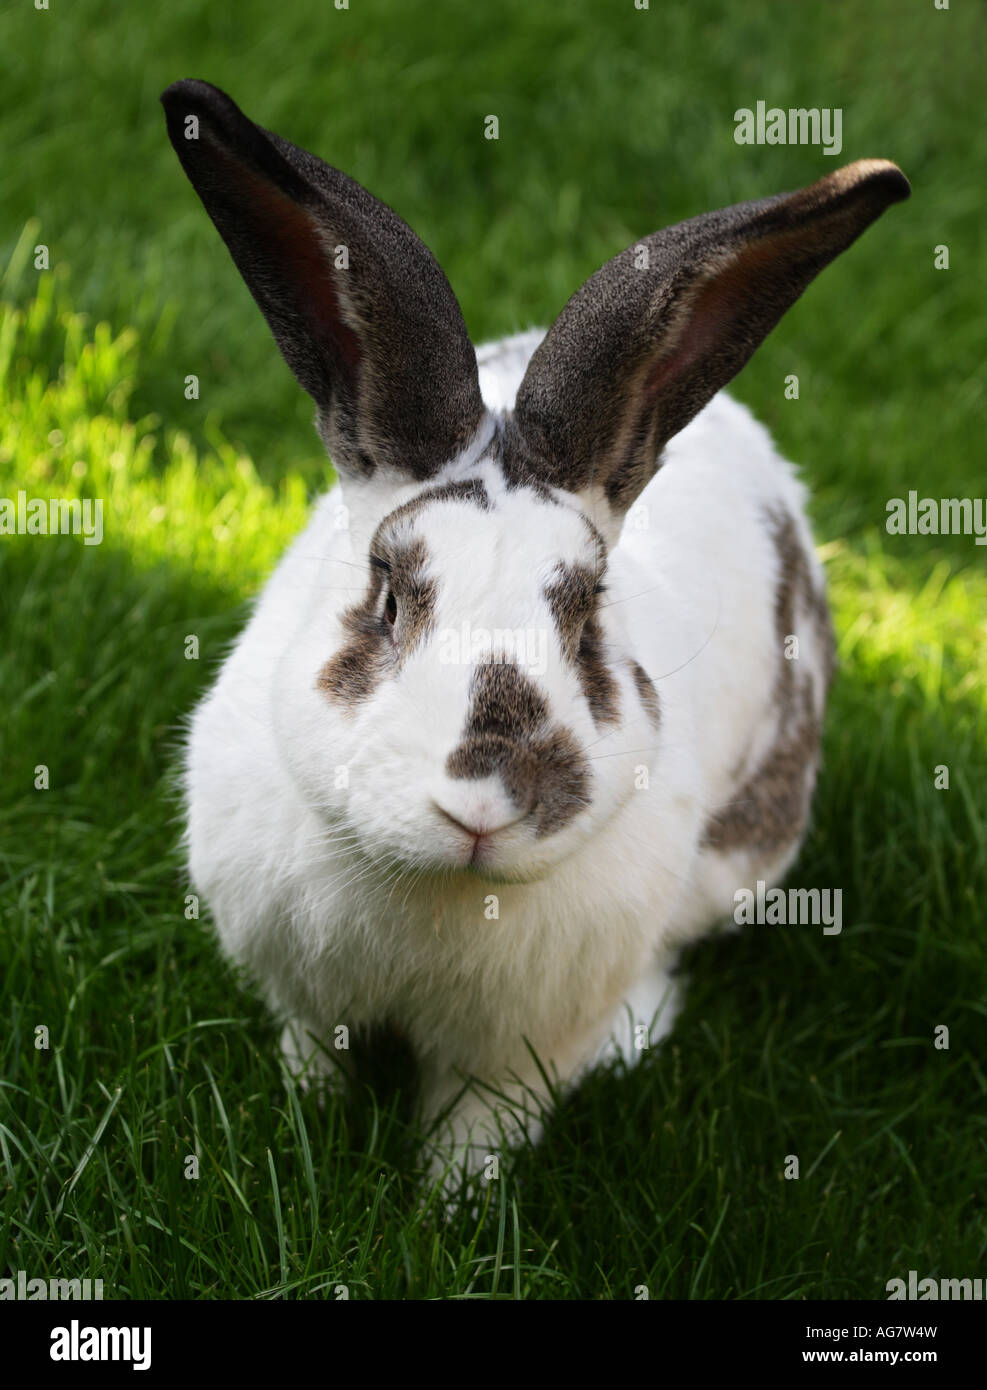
column 469, row 490
column 772, row 806
column 572, row 598
column 415, row 591
column 371, row 651
column 543, row 769
column 354, row 672
column 647, row 693
column 505, row 703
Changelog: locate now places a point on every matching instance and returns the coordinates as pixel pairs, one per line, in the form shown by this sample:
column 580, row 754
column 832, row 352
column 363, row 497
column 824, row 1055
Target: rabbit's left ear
column 650, row 338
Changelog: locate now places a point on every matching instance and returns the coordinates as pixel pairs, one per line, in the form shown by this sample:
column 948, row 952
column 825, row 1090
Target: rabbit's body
column 541, row 685
column 573, row 956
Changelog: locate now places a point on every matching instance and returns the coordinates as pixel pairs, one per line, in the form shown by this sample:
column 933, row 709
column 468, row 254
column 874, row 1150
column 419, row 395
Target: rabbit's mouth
column 511, row 853
column 477, row 841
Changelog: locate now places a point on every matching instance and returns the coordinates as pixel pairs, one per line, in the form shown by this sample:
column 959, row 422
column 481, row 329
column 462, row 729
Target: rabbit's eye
column 390, row 609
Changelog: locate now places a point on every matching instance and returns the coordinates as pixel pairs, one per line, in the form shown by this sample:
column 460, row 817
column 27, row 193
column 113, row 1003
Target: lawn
column 613, row 122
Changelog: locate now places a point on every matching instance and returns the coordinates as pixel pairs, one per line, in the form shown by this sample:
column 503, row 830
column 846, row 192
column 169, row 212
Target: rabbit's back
column 743, row 637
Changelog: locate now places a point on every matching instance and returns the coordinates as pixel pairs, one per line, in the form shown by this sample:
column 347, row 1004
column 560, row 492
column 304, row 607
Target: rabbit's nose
column 478, row 825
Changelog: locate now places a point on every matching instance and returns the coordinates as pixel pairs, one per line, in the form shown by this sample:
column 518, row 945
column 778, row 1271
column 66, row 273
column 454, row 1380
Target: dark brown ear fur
column 381, row 344
column 651, row 337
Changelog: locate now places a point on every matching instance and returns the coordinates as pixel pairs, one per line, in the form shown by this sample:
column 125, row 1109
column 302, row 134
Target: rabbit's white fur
column 585, row 934
column 518, row 718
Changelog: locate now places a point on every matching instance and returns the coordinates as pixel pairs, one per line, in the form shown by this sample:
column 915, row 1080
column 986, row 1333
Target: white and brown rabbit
column 514, row 718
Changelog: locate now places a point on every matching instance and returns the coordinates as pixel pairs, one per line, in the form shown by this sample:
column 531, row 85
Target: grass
column 613, row 122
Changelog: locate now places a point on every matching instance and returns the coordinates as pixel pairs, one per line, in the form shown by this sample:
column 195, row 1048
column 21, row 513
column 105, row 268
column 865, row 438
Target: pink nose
column 478, row 828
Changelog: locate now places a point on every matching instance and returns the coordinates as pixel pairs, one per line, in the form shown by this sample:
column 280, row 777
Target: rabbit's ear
column 650, row 338
column 359, row 306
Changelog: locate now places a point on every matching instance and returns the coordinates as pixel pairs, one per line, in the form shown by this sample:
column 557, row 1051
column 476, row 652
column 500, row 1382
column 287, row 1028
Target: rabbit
column 515, row 717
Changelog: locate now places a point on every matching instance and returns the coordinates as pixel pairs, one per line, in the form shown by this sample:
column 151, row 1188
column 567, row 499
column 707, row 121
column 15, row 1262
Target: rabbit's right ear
column 359, row 306
column 650, row 338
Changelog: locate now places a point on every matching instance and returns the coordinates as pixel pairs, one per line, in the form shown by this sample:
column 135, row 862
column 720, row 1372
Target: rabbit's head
column 476, row 704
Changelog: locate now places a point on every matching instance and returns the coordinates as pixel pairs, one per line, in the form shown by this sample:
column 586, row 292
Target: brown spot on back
column 772, row 806
column 507, row 732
